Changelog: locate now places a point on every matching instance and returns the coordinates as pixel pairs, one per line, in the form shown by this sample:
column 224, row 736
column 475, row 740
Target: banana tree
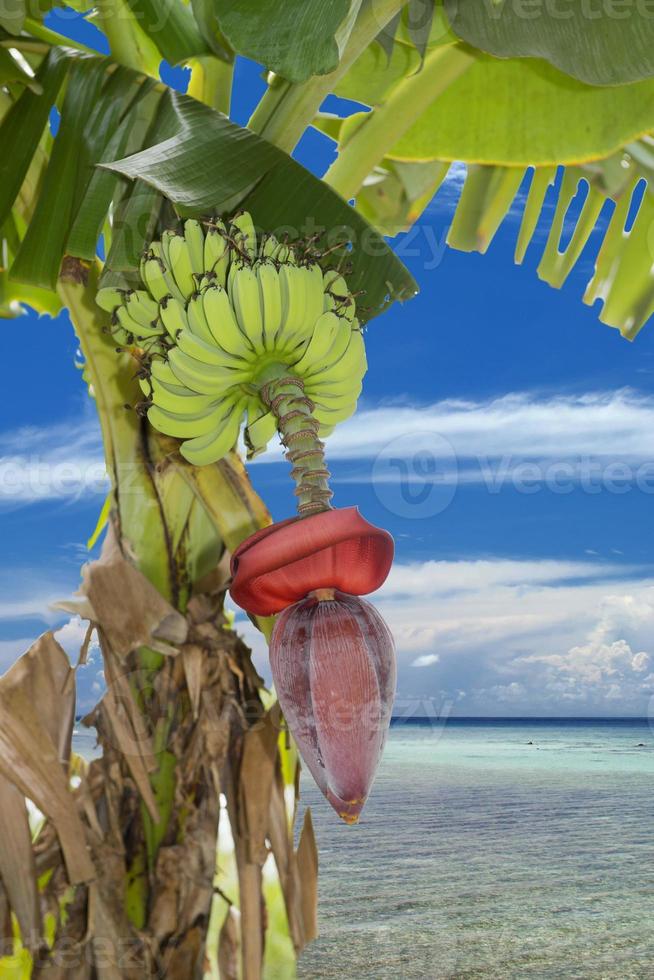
column 214, row 285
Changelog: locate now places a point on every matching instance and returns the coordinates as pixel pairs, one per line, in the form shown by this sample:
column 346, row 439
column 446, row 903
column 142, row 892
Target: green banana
column 203, row 378
column 197, row 319
column 119, row 336
column 337, row 295
column 339, row 394
column 259, row 432
column 315, row 295
column 244, row 234
column 223, row 325
column 162, row 371
column 134, row 327
column 208, row 354
column 335, row 351
column 159, row 252
column 186, row 426
column 194, row 238
column 208, row 449
column 269, row 247
column 153, row 275
column 142, row 307
column 293, row 285
column 245, row 298
column 178, row 398
column 270, row 298
column 329, row 416
column 205, row 281
column 352, row 363
column 109, row 298
column 181, row 266
column 221, row 310
column 216, row 253
column 324, row 333
column 173, row 316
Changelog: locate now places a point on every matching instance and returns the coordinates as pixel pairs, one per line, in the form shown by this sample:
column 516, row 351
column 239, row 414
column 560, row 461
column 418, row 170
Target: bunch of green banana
column 220, row 315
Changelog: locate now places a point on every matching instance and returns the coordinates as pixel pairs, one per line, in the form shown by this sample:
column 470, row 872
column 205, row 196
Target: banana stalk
column 174, row 522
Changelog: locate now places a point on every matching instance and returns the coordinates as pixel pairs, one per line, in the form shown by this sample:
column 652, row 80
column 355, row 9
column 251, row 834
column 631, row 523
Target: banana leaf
column 593, row 42
column 622, row 279
column 511, row 111
column 212, row 165
column 294, row 38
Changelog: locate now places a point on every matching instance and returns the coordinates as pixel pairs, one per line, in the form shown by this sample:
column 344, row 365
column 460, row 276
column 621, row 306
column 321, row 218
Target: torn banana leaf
column 623, row 279
column 37, row 704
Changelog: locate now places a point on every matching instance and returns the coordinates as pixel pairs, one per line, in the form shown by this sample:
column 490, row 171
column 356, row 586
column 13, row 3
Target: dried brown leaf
column 17, row 864
column 36, row 717
column 115, row 955
column 130, row 610
column 118, row 710
column 255, row 786
column 281, row 843
column 228, row 947
column 86, row 642
column 307, row 862
column 193, row 660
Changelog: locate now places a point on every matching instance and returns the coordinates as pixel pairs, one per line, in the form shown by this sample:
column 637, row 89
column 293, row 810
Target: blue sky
column 503, row 437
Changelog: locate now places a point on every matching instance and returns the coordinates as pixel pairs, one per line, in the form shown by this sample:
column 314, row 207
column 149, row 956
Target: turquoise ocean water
column 479, row 855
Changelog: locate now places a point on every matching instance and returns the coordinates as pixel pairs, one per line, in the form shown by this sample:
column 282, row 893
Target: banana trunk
column 184, row 725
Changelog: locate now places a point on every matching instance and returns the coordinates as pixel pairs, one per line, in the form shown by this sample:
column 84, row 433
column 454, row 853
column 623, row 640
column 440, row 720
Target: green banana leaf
column 213, row 165
column 171, row 26
column 516, row 111
column 622, row 279
column 12, row 16
column 502, row 117
column 23, row 125
column 377, row 70
column 397, row 193
column 422, row 24
column 602, row 44
column 294, row 38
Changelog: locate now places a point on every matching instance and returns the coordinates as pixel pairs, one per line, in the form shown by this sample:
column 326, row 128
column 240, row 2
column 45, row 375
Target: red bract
column 333, row 663
column 334, row 549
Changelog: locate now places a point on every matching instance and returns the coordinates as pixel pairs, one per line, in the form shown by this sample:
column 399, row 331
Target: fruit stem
column 299, row 431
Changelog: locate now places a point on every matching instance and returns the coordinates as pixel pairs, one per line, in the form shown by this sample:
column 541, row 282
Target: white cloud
column 426, row 660
column 617, row 423
column 417, row 456
column 62, row 461
column 525, row 636
column 520, row 437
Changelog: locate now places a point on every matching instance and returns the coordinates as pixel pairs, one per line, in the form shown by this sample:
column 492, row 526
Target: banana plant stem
column 52, row 38
column 211, row 82
column 385, row 125
column 287, row 109
column 299, row 431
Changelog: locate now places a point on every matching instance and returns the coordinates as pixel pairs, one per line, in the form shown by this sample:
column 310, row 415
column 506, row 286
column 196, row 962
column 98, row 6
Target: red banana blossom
column 333, row 663
column 332, row 655
column 334, row 549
